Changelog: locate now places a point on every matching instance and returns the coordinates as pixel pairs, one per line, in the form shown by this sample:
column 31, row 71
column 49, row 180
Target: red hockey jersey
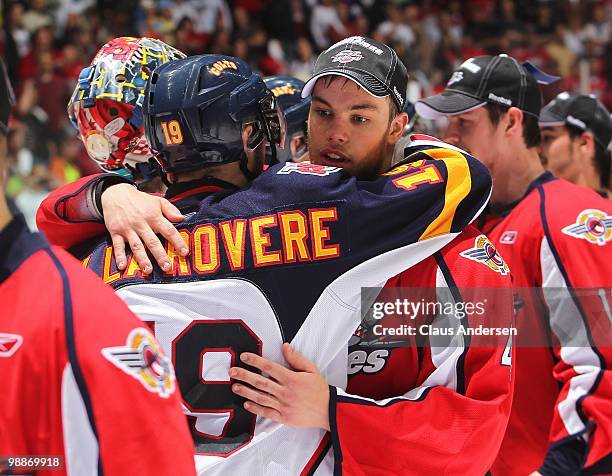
column 431, row 409
column 559, row 237
column 82, row 379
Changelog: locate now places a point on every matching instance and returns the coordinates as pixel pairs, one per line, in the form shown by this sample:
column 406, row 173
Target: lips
column 332, row 157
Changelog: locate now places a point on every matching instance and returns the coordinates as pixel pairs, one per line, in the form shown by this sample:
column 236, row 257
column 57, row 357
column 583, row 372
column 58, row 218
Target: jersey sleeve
column 442, row 189
column 69, row 215
column 577, row 291
column 121, row 379
column 452, row 421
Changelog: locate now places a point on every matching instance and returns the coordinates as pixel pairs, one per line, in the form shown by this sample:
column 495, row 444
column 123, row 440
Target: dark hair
column 602, row 157
column 393, row 109
column 531, row 128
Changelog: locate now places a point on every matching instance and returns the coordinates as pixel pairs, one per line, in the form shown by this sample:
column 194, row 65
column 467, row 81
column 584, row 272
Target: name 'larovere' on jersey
column 559, row 237
column 283, row 260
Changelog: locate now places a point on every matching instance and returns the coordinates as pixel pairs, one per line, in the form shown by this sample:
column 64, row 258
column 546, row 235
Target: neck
column 5, row 213
column 589, row 178
column 230, row 173
column 512, row 186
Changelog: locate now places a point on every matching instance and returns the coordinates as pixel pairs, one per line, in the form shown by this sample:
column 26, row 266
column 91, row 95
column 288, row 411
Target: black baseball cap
column 497, row 79
column 7, row 99
column 583, row 112
column 371, row 64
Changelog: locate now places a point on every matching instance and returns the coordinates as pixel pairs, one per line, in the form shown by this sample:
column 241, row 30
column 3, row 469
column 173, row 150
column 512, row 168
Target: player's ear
column 514, row 122
column 586, row 146
column 247, row 132
column 398, row 124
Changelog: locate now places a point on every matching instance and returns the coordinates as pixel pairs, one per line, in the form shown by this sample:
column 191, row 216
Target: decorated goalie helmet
column 106, row 105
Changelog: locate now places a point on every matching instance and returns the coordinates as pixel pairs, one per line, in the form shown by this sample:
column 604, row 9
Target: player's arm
column 581, row 431
column 438, row 190
column 441, row 187
column 121, row 395
column 433, row 429
column 69, row 214
column 453, row 422
column 78, row 211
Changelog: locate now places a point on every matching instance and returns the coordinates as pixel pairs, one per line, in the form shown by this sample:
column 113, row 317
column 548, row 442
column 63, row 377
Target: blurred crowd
column 45, row 44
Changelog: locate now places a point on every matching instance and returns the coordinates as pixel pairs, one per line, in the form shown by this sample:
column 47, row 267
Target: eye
column 360, row 119
column 322, row 112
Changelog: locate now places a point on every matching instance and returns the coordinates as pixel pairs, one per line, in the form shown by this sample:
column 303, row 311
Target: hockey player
column 556, row 237
column 406, row 395
column 576, row 131
column 84, row 383
column 287, row 91
column 276, row 212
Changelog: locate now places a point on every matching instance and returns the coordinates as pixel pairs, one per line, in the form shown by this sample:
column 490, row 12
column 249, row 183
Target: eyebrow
column 352, row 108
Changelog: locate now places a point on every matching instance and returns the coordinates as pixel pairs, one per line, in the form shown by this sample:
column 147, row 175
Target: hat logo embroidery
column 470, row 66
column 398, row 95
column 347, row 56
column 502, row 100
column 455, row 78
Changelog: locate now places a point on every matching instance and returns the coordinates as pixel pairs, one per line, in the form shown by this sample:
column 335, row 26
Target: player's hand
column 298, row 398
column 135, row 217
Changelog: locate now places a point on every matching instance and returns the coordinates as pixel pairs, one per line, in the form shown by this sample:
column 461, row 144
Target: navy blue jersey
column 284, row 259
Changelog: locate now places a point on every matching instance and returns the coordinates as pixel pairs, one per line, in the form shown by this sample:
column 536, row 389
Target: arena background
column 45, row 43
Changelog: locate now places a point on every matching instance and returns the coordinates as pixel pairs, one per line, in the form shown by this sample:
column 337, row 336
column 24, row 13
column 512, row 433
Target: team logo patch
column 283, row 90
column 455, row 78
column 592, row 225
column 508, row 237
column 220, row 66
column 484, row 252
column 9, row 343
column 306, row 168
column 347, row 56
column 143, row 359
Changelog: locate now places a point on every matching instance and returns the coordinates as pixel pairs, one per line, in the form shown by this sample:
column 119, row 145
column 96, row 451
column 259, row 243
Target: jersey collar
column 504, row 210
column 541, row 180
column 197, row 189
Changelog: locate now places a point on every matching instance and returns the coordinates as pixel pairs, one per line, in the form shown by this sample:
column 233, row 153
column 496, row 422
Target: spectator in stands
column 37, row 16
column 302, row 65
column 325, row 18
column 395, row 29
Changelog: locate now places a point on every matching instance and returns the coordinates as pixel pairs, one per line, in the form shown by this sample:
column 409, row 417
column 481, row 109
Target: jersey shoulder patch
column 484, row 252
column 592, row 225
column 142, row 358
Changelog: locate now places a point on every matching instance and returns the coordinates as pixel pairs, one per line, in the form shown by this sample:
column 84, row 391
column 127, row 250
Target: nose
column 451, row 136
column 337, row 132
column 451, row 133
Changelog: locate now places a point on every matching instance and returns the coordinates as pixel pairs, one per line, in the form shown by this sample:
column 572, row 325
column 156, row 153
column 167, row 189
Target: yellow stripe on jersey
column 458, row 186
